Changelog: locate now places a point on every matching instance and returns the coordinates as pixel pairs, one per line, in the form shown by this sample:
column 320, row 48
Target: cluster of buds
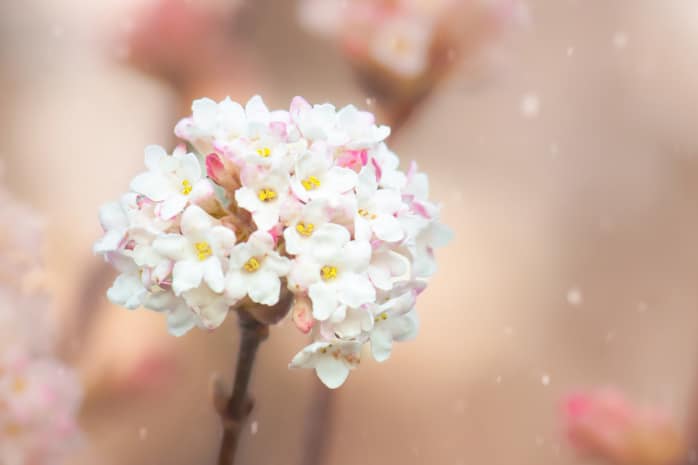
column 402, row 48
column 603, row 423
column 39, row 396
column 308, row 203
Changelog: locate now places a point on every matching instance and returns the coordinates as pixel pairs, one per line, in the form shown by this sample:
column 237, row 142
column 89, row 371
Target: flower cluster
column 603, row 423
column 406, row 39
column 39, row 396
column 310, row 200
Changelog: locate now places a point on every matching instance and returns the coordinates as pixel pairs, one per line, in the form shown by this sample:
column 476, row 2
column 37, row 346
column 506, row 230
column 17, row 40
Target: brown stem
column 238, row 407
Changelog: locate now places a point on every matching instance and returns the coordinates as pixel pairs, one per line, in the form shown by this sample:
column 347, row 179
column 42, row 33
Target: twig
column 235, row 411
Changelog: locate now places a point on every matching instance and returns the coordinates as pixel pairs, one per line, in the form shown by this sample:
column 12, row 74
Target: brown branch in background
column 319, row 430
column 235, row 411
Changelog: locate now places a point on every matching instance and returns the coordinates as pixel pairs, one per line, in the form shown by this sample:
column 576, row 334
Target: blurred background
column 558, row 134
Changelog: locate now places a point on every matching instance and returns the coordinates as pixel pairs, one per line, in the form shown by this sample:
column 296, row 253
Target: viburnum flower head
column 308, row 201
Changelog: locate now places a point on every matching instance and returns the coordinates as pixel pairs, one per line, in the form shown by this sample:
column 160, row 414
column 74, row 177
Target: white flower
column 386, row 266
column 311, row 230
column 395, row 319
column 174, row 180
column 255, row 270
column 263, row 194
column 316, row 178
column 376, row 209
column 211, row 121
column 332, row 361
column 338, row 276
column 359, row 128
column 198, row 252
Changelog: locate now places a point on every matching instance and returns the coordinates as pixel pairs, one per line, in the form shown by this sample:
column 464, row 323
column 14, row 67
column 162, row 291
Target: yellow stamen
column 252, row 265
column 203, row 250
column 366, row 214
column 311, row 183
column 264, row 152
column 328, row 272
column 186, row 187
column 382, row 317
column 266, row 195
column 305, row 229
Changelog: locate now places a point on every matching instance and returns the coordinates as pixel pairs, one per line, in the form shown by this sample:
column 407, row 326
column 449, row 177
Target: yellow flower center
column 186, row 187
column 366, row 214
column 305, row 229
column 310, row 183
column 203, row 250
column 266, row 195
column 252, row 265
column 264, row 152
column 328, row 272
column 382, row 317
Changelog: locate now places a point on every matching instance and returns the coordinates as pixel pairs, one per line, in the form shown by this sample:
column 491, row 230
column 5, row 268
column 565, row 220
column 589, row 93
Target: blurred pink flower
column 39, row 396
column 605, row 424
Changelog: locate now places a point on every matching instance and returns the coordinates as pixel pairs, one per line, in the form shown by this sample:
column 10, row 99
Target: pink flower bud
column 302, row 314
column 604, row 424
column 223, row 172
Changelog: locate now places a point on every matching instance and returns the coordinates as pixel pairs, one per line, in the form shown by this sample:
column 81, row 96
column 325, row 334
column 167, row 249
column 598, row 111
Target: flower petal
column 195, row 221
column 154, row 186
column 388, row 228
column 213, row 274
column 264, row 287
column 186, row 275
column 332, row 372
column 356, row 290
column 324, row 299
column 172, row 206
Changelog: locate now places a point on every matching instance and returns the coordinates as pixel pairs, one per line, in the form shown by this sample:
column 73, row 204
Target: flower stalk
column 238, row 407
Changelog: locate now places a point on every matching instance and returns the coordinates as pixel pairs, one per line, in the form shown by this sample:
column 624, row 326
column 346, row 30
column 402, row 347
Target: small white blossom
column 172, row 180
column 332, row 361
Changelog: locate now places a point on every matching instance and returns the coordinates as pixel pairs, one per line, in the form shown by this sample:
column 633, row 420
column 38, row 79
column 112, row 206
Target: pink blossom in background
column 39, row 396
column 603, row 423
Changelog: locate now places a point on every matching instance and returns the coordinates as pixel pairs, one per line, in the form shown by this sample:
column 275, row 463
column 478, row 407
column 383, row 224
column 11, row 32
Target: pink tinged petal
column 388, row 228
column 324, row 300
column 235, row 285
column 298, row 105
column 381, row 344
column 196, row 221
column 173, row 246
column 215, row 168
column 377, row 167
column 186, row 275
column 356, row 290
column 302, row 314
column 180, row 320
column 172, row 207
column 127, row 291
column 213, row 274
column 328, row 241
column 152, row 185
column 332, row 372
column 204, row 113
column 247, row 199
column 110, row 242
column 264, row 287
